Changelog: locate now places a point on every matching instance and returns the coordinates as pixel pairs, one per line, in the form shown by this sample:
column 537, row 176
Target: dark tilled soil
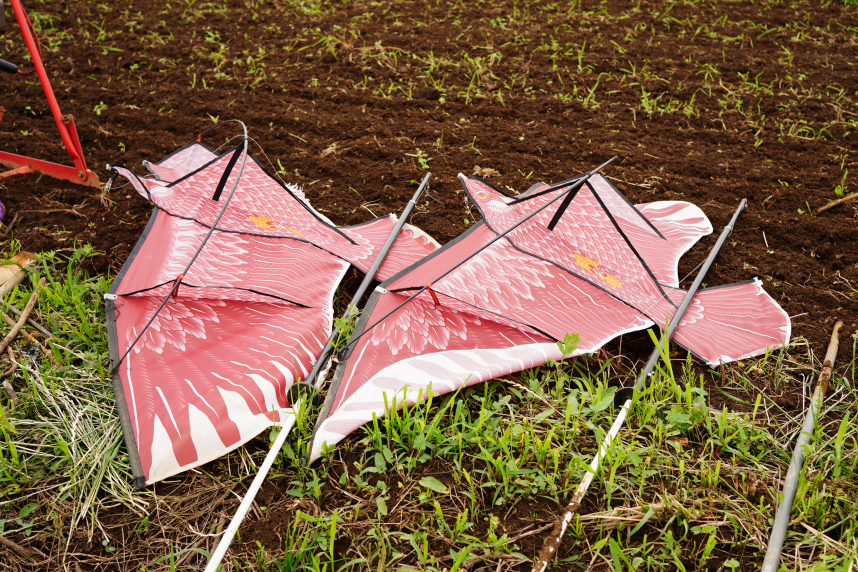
column 136, row 97
column 709, row 105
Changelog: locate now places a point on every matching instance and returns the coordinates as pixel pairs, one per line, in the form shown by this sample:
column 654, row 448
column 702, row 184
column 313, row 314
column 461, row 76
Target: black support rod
column 364, row 286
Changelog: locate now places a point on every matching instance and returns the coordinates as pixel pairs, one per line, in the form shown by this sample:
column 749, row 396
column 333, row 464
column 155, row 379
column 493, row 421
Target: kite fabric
column 607, row 268
column 247, row 320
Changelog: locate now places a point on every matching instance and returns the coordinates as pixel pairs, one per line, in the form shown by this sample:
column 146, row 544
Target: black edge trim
column 138, row 478
column 532, row 188
column 148, row 166
column 689, row 350
column 526, row 195
column 149, row 225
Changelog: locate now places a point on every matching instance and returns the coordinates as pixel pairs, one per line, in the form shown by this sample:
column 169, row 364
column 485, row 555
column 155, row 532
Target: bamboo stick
column 13, row 274
column 34, row 297
column 11, row 323
column 30, row 321
column 836, row 202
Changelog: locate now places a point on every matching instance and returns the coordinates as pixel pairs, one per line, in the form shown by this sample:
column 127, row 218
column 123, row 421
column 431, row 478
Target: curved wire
column 115, row 368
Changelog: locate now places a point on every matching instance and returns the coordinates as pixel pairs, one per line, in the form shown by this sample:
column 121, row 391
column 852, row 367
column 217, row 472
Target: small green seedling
column 840, row 189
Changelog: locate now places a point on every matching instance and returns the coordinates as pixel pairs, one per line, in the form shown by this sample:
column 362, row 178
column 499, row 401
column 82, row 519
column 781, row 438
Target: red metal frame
column 22, row 165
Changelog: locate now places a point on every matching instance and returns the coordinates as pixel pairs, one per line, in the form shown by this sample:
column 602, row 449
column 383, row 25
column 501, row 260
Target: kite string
column 428, row 194
column 170, row 294
column 692, row 272
column 264, row 154
column 468, row 208
column 572, row 188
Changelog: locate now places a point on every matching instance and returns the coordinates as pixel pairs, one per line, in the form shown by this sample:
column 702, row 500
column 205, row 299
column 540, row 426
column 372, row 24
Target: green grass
column 686, row 484
column 66, row 442
column 461, row 480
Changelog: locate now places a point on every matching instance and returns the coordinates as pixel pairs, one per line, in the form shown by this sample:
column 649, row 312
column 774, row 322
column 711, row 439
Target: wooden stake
column 30, row 321
column 772, row 560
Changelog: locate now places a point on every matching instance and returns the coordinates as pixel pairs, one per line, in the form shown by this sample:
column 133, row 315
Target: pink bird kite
column 591, row 264
column 249, row 318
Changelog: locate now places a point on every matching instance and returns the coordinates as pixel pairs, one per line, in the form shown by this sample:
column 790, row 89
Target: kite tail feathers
column 733, row 322
column 682, row 225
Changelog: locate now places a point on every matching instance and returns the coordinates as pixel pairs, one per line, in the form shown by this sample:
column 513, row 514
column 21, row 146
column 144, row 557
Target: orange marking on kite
column 269, row 224
column 612, row 281
column 262, row 222
column 585, row 262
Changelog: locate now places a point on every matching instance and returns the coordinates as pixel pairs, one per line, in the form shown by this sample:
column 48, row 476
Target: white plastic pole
column 244, row 507
column 776, row 541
